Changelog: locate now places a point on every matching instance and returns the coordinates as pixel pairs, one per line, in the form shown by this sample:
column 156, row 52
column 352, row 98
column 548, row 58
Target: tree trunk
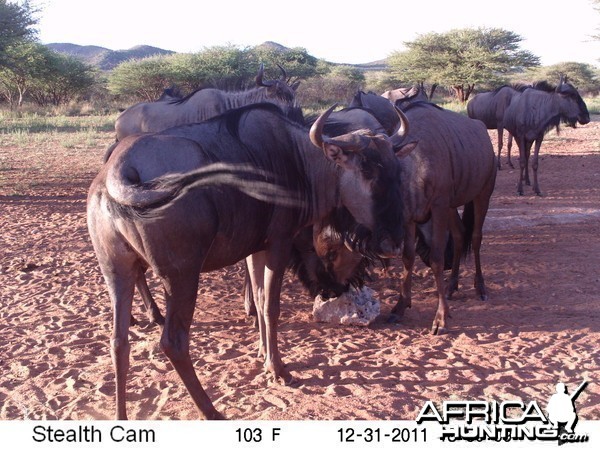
column 20, row 100
column 460, row 93
column 470, row 89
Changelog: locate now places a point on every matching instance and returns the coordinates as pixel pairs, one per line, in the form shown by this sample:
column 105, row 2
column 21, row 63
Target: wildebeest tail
column 468, row 220
column 157, row 193
column 109, row 151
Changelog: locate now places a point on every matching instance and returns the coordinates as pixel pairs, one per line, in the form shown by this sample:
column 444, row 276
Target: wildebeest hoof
column 286, row 379
column 399, row 309
column 217, row 416
column 292, row 382
column 438, row 331
column 393, row 318
column 483, row 297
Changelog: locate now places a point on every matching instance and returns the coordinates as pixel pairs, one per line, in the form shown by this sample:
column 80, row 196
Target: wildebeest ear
column 405, row 149
column 295, row 85
column 339, row 156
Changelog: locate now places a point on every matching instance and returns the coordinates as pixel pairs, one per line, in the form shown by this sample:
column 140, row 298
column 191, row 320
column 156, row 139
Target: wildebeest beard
column 358, row 237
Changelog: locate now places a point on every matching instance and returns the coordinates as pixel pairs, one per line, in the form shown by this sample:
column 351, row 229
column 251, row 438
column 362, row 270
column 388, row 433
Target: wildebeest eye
column 331, row 256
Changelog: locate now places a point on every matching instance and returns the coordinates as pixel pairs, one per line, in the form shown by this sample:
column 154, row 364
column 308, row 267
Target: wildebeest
column 399, row 97
column 189, row 224
column 379, row 106
column 170, row 94
column 489, row 107
column 418, row 94
column 202, row 105
column 535, row 112
column 452, row 164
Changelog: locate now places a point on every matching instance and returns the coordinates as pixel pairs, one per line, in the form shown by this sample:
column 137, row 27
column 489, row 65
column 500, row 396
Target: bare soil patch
column 541, row 324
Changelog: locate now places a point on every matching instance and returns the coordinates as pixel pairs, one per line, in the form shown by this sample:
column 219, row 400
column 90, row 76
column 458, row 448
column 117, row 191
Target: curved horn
column 402, row 130
column 259, row 77
column 316, row 131
column 283, row 73
column 403, row 126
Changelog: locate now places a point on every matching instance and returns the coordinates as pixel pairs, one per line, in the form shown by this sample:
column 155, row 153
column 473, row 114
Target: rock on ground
column 355, row 307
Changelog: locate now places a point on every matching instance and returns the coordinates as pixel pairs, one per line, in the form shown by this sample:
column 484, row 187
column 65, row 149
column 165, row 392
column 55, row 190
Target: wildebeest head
column 573, row 108
column 323, row 263
column 277, row 88
column 369, row 185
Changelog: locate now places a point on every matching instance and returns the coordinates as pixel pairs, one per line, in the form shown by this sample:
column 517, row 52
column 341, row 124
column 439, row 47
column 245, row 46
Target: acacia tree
column 223, row 67
column 461, row 59
column 297, row 62
column 335, row 83
column 64, row 79
column 142, row 79
column 25, row 62
column 581, row 75
column 16, row 22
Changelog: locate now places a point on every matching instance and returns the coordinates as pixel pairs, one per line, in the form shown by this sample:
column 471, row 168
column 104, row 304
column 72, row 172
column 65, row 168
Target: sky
column 338, row 31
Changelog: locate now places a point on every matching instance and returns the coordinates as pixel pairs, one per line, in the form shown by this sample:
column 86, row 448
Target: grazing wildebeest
column 535, row 112
column 452, row 164
column 202, row 105
column 204, row 216
column 489, row 107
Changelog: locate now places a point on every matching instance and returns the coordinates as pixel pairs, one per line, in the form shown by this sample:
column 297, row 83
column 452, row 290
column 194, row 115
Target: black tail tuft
column 468, row 220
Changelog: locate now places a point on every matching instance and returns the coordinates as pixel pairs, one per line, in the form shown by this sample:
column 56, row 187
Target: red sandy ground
column 541, row 324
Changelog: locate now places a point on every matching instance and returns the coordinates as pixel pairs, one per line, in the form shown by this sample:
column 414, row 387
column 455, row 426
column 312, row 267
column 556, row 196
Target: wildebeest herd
column 198, row 183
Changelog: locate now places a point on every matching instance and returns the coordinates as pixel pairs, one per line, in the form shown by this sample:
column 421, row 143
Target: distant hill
column 104, row 58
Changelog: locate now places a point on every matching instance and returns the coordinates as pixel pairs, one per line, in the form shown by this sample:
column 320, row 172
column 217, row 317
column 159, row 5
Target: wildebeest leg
column 508, row 149
column 534, row 166
column 255, row 269
column 527, row 155
column 266, row 271
column 457, row 230
column 481, row 204
column 249, row 305
column 522, row 161
column 120, row 282
column 408, row 260
column 273, row 282
column 152, row 311
column 180, row 292
column 440, row 220
column 500, row 133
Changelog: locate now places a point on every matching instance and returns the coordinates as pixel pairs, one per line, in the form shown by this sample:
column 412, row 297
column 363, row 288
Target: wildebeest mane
column 498, row 89
column 544, row 86
column 521, row 87
column 179, row 101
